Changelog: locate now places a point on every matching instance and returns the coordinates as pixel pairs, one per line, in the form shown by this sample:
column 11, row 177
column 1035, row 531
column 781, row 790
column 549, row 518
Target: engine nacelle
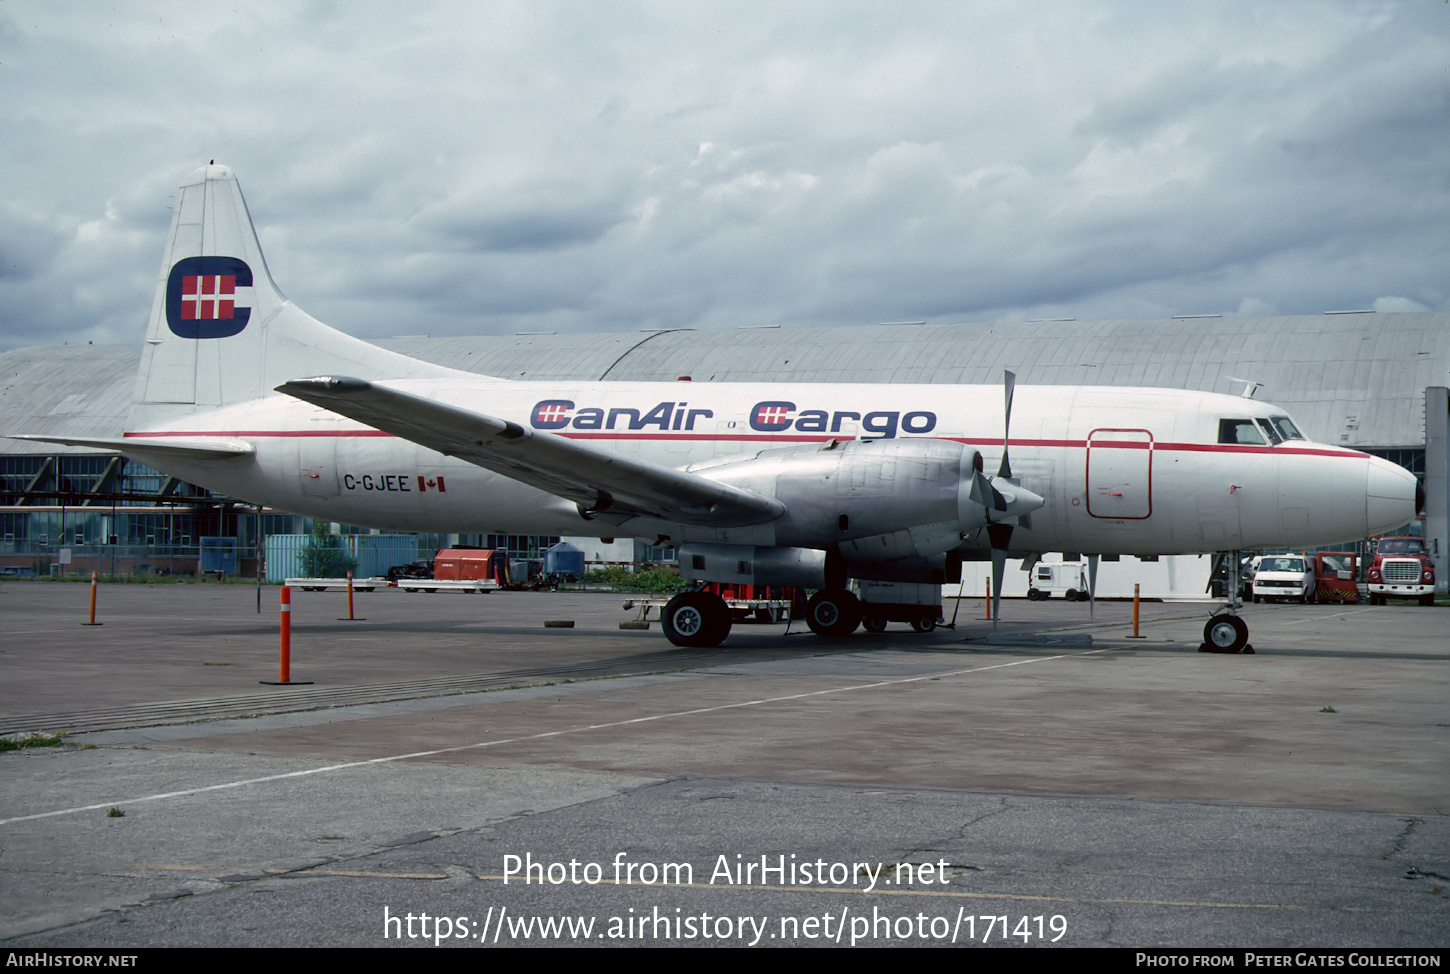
column 873, row 499
column 743, row 564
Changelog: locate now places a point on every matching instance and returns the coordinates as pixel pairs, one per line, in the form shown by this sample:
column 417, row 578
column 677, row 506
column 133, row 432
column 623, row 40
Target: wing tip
column 324, row 383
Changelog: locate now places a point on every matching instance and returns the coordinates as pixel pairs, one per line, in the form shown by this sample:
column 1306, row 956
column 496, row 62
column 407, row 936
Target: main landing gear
column 1225, row 631
column 833, row 612
column 696, row 619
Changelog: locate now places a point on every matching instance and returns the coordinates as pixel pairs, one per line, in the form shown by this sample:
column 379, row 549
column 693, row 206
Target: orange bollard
column 284, row 665
column 93, row 621
column 989, row 599
column 350, row 616
column 1135, row 613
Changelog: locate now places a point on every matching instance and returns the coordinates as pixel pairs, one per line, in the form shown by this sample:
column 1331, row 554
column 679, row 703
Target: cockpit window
column 1286, row 427
column 1270, row 432
column 1240, row 431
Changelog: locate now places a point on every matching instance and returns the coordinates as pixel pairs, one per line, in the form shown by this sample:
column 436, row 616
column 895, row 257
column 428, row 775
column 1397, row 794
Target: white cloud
column 461, row 167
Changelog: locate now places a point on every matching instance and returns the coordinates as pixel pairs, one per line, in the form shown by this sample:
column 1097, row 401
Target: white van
column 1284, row 577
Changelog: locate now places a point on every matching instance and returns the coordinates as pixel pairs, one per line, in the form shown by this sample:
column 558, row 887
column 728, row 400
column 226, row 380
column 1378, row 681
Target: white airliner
column 806, row 485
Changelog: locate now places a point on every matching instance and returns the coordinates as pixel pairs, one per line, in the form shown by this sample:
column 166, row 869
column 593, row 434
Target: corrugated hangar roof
column 1356, row 379
column 84, row 390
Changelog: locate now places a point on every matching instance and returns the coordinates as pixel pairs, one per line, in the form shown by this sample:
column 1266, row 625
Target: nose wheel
column 1226, row 634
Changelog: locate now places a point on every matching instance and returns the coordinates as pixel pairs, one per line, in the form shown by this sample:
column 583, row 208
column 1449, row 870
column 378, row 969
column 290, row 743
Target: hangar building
column 1374, row 382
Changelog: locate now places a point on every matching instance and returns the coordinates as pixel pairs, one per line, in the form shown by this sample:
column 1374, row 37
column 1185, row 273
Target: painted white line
column 1342, row 615
column 540, row 736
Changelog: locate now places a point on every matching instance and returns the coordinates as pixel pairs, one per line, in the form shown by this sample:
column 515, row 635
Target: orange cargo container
column 471, row 564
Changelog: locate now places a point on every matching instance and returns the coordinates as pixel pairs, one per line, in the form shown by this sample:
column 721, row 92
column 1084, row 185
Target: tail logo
column 201, row 297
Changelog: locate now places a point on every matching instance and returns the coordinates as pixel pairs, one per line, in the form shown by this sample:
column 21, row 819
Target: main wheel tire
column 874, row 623
column 833, row 613
column 696, row 619
column 1226, row 634
column 924, row 624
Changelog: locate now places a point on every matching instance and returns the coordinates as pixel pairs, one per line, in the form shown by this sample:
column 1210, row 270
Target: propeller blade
column 1000, row 536
column 999, row 569
column 1009, row 381
column 981, row 489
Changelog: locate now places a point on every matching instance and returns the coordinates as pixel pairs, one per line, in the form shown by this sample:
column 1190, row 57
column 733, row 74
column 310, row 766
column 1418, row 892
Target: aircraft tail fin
column 221, row 332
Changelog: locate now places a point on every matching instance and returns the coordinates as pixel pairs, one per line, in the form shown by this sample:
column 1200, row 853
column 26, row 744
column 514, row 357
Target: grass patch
column 1328, row 710
column 656, row 578
column 34, row 740
column 115, row 812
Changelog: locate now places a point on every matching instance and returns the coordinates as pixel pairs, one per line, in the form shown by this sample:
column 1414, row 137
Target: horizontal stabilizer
column 599, row 483
column 195, row 448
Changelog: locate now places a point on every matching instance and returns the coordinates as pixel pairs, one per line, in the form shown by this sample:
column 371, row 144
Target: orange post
column 1135, row 613
column 989, row 598
column 92, row 621
column 350, row 617
column 284, row 671
column 284, row 665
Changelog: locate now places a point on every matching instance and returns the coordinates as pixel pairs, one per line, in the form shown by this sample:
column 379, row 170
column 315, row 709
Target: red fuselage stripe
column 797, row 438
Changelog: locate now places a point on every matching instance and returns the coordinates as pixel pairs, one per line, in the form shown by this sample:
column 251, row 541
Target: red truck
column 1401, row 570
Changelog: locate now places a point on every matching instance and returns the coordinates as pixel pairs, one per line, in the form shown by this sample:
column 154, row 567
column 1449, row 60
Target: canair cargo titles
column 769, row 416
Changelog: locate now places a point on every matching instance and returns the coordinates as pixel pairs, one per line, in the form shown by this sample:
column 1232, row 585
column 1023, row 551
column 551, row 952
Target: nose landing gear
column 1225, row 631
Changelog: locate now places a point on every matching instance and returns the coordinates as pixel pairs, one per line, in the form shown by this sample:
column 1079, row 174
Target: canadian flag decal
column 426, row 484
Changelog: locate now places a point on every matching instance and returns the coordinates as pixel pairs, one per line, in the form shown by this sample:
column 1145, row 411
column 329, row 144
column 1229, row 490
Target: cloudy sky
column 495, row 167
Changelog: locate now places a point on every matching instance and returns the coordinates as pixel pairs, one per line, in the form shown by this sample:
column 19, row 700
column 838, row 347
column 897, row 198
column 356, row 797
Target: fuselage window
column 1241, row 431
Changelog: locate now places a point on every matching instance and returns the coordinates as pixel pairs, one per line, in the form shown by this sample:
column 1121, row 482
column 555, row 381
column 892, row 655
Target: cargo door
column 1120, row 473
column 317, row 465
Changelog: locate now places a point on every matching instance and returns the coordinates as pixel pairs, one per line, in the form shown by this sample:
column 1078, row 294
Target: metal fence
column 375, row 553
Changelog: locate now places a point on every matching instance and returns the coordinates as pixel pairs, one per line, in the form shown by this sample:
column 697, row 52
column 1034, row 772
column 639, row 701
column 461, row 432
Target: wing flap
column 596, row 481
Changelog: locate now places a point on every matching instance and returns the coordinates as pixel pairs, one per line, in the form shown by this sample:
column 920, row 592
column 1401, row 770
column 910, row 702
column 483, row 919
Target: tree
column 324, row 555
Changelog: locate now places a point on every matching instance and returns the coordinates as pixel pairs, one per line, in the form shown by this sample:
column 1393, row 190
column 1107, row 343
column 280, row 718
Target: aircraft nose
column 1392, row 496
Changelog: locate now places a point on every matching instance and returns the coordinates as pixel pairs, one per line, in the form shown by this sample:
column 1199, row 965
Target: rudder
column 221, row 332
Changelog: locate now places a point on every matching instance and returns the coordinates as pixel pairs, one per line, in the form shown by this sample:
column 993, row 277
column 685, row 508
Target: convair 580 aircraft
column 803, row 485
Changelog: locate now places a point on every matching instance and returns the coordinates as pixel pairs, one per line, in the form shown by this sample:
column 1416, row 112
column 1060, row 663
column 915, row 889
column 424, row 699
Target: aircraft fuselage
column 1122, row 470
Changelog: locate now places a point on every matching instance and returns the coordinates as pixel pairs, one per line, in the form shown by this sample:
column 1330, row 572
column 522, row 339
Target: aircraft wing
column 600, row 483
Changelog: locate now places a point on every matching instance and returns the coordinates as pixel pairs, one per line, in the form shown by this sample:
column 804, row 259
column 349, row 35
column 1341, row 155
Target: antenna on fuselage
column 1250, row 386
